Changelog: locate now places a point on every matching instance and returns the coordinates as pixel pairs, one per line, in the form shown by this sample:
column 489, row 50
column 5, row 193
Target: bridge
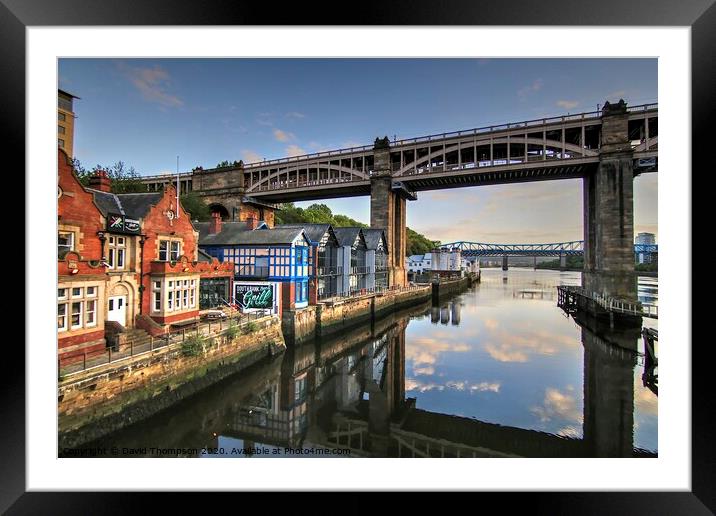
column 606, row 149
column 557, row 249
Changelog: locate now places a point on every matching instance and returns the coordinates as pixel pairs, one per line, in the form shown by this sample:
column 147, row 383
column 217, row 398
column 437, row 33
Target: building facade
column 260, row 253
column 65, row 121
column 81, row 272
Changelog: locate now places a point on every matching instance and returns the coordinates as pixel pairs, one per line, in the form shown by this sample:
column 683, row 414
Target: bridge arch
column 216, row 207
column 285, row 173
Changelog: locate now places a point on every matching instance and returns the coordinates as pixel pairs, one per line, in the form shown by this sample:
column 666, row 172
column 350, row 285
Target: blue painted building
column 262, row 254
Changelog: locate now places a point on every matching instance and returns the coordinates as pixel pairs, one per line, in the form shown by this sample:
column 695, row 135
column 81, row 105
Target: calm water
column 498, row 370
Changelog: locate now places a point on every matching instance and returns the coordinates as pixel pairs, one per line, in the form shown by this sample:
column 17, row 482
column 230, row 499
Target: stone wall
column 299, row 325
column 332, row 317
column 101, row 400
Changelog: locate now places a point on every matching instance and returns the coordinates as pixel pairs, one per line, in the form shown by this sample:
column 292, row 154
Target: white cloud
column 526, row 91
column 152, row 83
column 567, row 104
column 295, row 114
column 250, row 156
column 283, row 136
column 295, row 150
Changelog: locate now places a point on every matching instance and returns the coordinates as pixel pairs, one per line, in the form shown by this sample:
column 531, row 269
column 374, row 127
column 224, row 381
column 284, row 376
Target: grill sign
column 257, row 297
column 121, row 224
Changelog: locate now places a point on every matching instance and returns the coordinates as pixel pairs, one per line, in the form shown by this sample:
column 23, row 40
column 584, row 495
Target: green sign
column 254, row 296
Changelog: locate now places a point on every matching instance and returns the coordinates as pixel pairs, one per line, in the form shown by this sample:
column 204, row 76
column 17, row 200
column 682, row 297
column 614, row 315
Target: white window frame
column 64, row 317
column 117, row 252
column 72, row 314
column 92, row 324
column 72, row 240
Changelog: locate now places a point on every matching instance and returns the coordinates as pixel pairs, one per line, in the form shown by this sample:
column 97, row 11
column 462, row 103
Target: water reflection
column 497, row 371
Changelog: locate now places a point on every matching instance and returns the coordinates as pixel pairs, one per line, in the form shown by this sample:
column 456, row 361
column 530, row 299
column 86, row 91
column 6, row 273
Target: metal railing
column 616, row 305
column 359, row 292
column 330, row 270
column 81, row 361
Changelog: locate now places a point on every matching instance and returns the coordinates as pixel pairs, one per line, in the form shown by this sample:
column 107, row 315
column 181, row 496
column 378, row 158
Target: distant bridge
column 573, row 248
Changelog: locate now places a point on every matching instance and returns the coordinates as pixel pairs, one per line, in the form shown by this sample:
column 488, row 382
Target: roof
column 67, row 93
column 228, row 235
column 415, row 257
column 132, row 205
column 234, row 234
column 346, row 236
column 204, row 257
column 373, row 237
column 314, row 232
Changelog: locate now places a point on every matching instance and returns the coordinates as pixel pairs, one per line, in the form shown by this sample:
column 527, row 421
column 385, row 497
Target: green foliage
column 125, row 179
column 196, row 206
column 647, row 267
column 321, row 214
column 223, row 164
column 231, row 332
column 250, row 327
column 419, row 244
column 572, row 262
column 192, row 346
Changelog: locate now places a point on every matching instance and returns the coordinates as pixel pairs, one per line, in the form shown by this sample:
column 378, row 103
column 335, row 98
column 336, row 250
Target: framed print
column 431, row 233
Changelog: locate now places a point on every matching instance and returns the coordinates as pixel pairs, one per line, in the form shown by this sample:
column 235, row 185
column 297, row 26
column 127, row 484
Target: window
column 61, row 143
column 163, row 250
column 169, row 250
column 179, row 294
column 65, row 243
column 61, row 117
column 117, row 252
column 90, row 314
column 60, row 129
column 76, row 315
column 157, row 301
column 62, row 317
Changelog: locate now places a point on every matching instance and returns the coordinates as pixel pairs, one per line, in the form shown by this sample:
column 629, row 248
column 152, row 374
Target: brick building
column 81, row 274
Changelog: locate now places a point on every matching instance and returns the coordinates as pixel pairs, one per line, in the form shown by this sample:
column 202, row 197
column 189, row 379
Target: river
column 498, row 370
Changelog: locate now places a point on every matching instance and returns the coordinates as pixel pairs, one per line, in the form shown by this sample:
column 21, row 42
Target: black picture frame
column 700, row 15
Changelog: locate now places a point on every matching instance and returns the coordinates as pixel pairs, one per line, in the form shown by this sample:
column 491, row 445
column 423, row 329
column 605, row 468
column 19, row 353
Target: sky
column 146, row 112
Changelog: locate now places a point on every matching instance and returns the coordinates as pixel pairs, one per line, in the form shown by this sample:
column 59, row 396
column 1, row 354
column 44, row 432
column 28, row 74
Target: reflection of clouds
column 559, row 405
column 570, row 431
column 412, row 384
column 491, row 324
column 504, row 346
column 645, row 401
column 515, row 348
column 424, row 351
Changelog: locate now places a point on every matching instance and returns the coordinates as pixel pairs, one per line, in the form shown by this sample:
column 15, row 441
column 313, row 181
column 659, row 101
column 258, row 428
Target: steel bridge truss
column 573, row 248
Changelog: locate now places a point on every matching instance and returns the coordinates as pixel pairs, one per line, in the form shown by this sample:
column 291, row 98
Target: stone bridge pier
column 609, row 211
column 388, row 209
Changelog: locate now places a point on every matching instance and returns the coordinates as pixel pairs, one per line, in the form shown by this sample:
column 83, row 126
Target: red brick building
column 81, row 273
column 125, row 262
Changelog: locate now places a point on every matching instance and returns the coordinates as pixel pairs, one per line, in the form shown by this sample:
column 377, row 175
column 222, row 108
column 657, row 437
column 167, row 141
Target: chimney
column 100, row 181
column 215, row 224
column 251, row 223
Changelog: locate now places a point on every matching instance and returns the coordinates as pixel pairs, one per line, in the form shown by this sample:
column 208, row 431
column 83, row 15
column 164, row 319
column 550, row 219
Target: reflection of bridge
column 350, row 394
column 605, row 149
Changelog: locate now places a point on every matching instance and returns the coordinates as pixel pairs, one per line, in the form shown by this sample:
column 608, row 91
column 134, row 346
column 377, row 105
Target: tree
column 123, row 179
column 196, row 206
column 419, row 244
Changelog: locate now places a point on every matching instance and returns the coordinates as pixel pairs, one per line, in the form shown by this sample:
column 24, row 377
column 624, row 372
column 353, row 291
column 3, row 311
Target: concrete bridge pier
column 562, row 261
column 504, row 262
column 609, row 211
column 387, row 211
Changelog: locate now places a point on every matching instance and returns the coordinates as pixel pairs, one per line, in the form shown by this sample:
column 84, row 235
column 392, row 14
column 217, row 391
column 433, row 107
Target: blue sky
column 145, row 112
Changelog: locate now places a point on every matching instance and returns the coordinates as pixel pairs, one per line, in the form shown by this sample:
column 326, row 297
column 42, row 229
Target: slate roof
column 346, row 236
column 314, row 232
column 372, row 237
column 236, row 233
column 132, row 205
column 228, row 235
column 204, row 257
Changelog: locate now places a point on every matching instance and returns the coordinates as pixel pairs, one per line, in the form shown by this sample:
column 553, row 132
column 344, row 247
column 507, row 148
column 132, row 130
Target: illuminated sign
column 255, row 296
